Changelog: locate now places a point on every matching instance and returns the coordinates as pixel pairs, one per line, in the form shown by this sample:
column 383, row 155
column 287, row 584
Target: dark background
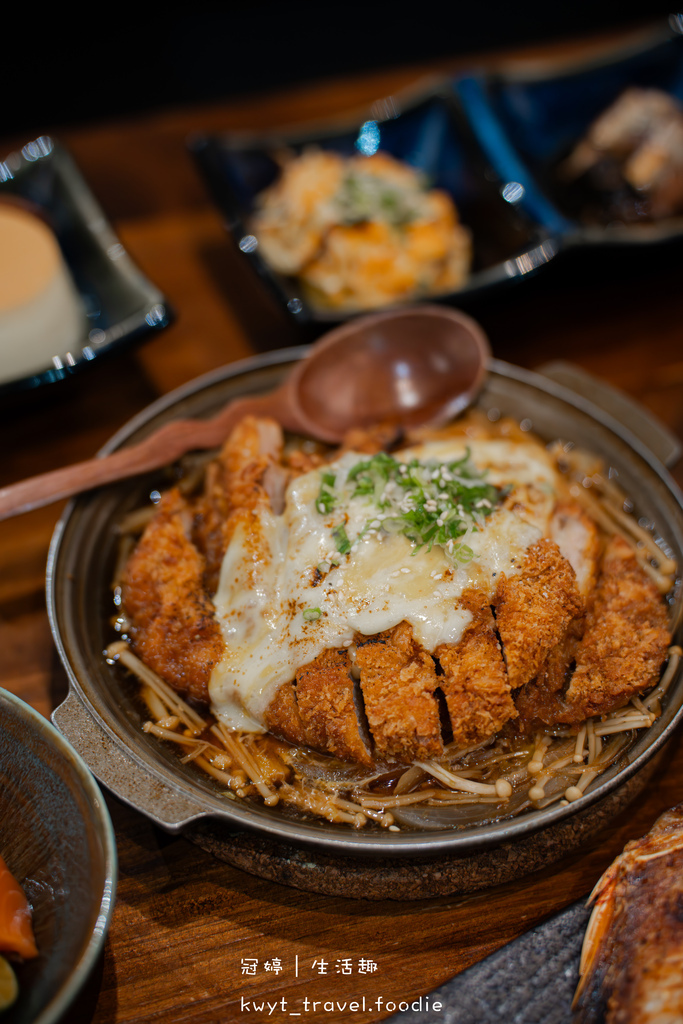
column 115, row 60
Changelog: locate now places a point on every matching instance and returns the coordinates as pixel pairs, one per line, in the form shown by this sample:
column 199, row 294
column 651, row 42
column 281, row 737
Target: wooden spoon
column 419, row 365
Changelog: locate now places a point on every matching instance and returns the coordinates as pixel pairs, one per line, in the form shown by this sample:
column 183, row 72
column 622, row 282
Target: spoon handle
column 164, row 445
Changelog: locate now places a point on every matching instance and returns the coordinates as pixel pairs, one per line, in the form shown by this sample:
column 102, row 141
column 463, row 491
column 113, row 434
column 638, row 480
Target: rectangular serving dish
column 120, row 303
column 427, row 134
column 528, row 120
column 491, row 140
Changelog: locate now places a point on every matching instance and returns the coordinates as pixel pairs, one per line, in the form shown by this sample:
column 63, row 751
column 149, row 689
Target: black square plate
column 120, row 303
column 426, row 133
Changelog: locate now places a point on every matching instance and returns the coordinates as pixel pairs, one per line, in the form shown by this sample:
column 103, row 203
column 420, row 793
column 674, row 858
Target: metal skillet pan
column 101, row 715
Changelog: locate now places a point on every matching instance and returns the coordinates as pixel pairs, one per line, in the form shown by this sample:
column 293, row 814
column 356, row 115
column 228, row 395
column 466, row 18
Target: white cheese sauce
column 277, row 611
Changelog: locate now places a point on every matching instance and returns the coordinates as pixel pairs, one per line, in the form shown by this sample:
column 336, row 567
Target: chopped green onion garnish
column 311, row 614
column 429, row 502
column 341, row 540
column 325, row 501
column 364, row 196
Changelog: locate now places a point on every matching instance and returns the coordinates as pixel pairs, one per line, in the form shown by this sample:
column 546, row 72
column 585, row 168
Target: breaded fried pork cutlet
column 382, row 608
column 172, row 618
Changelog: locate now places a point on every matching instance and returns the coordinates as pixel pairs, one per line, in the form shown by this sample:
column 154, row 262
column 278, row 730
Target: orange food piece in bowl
column 16, row 929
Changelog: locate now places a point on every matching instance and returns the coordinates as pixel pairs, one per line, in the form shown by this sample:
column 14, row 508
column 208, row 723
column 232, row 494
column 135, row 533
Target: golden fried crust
column 620, row 653
column 299, row 462
column 626, row 637
column 370, row 440
column 211, row 512
column 398, row 680
column 541, row 702
column 283, row 718
column 319, row 711
column 632, row 960
column 474, row 680
column 534, row 609
column 324, row 693
column 237, row 479
column 172, row 625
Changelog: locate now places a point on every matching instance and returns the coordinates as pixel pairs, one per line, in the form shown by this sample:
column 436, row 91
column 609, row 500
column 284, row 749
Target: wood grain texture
column 184, row 922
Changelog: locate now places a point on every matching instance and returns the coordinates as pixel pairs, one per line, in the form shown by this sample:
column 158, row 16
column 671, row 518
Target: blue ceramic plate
column 427, row 134
column 57, row 840
column 120, row 303
column 529, row 120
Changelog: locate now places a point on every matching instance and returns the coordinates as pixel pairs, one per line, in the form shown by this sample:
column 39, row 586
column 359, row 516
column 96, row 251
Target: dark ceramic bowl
column 529, row 119
column 57, row 839
column 427, row 135
column 102, row 715
column 120, row 304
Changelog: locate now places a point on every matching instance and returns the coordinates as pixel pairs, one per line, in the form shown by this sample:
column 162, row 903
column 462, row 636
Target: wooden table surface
column 185, row 923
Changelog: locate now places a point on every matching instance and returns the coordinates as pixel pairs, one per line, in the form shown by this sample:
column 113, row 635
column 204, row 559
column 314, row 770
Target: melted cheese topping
column 278, row 611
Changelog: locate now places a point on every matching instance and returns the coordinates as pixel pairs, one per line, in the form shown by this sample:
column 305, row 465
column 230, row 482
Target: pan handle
column 663, row 444
column 166, row 806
